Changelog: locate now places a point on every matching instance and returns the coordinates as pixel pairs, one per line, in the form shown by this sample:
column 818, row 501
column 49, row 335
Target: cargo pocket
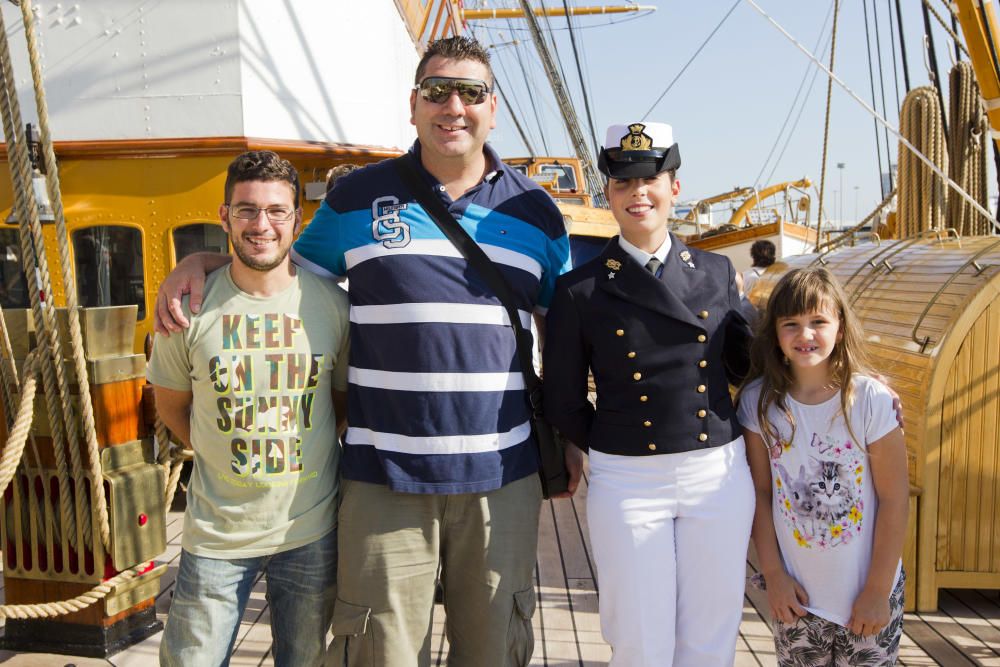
column 520, row 638
column 353, row 637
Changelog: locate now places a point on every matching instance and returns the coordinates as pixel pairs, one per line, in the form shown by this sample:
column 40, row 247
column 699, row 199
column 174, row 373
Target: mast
column 594, row 183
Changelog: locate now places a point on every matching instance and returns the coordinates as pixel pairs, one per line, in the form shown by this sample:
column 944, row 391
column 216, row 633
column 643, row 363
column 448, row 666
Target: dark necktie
column 653, row 266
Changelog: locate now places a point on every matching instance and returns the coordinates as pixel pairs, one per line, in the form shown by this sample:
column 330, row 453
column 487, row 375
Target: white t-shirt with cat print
column 824, row 502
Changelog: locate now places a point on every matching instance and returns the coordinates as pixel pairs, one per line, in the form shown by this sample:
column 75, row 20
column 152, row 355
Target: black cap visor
column 619, row 164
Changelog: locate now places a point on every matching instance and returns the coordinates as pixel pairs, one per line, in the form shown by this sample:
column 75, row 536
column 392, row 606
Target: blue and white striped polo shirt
column 436, row 397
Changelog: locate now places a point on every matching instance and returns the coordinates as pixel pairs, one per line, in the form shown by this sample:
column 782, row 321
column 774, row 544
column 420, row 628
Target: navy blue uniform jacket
column 662, row 351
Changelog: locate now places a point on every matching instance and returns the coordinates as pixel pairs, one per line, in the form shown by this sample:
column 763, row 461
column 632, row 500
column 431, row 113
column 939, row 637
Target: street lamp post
column 856, row 188
column 840, row 166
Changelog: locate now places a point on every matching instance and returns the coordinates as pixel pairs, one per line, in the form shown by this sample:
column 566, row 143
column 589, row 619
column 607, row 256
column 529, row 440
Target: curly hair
column 798, row 292
column 762, row 253
column 261, row 166
column 455, row 48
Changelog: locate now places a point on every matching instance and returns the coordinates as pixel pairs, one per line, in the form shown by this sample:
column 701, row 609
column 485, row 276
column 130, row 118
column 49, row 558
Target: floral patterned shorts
column 816, row 642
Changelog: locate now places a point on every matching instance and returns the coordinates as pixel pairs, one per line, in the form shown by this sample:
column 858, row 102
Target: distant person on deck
column 762, row 254
column 440, row 467
column 338, row 172
column 255, row 387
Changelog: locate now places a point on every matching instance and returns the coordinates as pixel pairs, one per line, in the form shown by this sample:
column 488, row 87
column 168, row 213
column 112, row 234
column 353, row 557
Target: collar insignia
column 636, row 139
column 613, row 264
column 685, row 256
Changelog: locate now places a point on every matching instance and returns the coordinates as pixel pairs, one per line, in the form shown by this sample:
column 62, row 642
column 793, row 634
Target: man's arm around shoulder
column 188, row 277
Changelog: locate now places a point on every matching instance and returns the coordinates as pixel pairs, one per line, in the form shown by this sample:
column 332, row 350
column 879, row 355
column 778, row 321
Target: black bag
column 551, row 453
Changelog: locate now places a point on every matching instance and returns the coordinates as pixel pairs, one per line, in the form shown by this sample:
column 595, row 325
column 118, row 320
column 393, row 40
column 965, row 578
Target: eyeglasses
column 438, row 89
column 274, row 213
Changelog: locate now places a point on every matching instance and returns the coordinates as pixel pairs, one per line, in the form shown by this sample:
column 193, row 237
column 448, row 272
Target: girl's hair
column 804, row 291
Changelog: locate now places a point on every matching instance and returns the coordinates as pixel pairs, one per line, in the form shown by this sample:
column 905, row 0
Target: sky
column 729, row 106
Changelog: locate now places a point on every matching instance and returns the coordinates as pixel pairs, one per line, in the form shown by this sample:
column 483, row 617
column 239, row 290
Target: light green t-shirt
column 261, row 371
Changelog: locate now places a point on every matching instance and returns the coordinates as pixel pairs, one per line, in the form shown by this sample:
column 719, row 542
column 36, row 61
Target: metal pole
column 840, row 166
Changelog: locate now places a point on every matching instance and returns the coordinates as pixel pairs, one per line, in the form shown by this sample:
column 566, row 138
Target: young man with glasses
column 256, row 387
column 439, row 463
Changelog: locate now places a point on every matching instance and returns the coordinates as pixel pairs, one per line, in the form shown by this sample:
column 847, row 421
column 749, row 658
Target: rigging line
column 691, row 60
column 959, row 47
column 903, row 140
column 902, row 49
column 632, row 16
column 795, row 101
column 579, row 73
column 512, row 102
column 562, row 72
column 517, row 123
column 795, row 125
column 871, row 82
column 936, row 73
column 529, row 88
column 826, row 124
column 555, row 47
column 881, row 85
column 895, row 70
column 590, row 82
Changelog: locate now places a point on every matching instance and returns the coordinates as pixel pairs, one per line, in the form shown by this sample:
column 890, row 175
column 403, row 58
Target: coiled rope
column 75, row 513
column 968, row 146
column 922, row 193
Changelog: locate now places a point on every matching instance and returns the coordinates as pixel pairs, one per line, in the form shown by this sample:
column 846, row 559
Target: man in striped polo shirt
column 439, row 463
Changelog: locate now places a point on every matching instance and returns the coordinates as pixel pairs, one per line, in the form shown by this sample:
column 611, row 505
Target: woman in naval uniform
column 670, row 500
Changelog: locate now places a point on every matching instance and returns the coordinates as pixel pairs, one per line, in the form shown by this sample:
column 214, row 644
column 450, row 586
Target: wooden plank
column 977, row 626
column 989, row 550
column 555, row 601
column 933, row 644
column 940, row 638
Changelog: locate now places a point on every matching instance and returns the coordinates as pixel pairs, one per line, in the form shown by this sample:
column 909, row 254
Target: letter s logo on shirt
column 386, row 225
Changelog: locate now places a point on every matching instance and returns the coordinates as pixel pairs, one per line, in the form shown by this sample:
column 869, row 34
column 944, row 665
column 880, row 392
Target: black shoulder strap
column 479, row 260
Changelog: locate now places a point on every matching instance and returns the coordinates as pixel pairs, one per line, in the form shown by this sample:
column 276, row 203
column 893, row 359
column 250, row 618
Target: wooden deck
column 964, row 631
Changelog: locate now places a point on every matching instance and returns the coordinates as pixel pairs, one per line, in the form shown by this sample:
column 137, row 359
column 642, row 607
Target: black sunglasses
column 438, row 89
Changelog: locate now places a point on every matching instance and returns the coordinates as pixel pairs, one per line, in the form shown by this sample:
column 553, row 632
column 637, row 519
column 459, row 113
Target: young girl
column 829, row 466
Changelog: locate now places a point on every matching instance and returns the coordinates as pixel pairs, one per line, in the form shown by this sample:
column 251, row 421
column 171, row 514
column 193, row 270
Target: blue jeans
column 211, row 595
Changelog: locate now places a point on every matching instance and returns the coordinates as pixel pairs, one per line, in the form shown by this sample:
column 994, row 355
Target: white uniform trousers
column 670, row 535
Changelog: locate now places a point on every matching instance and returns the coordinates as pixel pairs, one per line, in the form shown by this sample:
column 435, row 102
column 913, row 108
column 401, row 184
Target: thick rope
column 42, row 310
column 951, row 33
column 882, row 121
column 826, row 122
column 14, row 449
column 82, row 601
column 72, row 307
column 922, row 193
column 968, row 147
column 171, row 458
column 8, row 372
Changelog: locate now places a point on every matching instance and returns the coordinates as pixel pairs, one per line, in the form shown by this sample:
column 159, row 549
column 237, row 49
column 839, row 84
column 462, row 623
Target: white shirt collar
column 642, row 256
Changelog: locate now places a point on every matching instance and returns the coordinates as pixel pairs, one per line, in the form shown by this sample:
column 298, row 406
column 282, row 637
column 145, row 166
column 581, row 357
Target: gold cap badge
column 613, row 264
column 636, row 139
